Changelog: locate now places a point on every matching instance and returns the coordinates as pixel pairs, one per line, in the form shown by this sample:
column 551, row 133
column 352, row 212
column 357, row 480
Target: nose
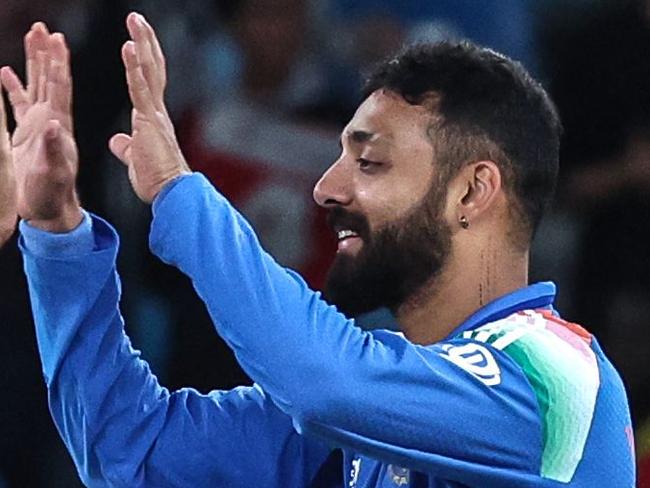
column 334, row 187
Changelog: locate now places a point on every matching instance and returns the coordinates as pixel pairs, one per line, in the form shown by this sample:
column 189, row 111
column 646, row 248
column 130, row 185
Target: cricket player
column 443, row 175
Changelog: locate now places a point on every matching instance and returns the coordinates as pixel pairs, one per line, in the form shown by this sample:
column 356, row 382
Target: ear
column 473, row 192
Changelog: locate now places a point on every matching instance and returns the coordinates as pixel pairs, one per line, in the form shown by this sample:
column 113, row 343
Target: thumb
column 53, row 143
column 119, row 145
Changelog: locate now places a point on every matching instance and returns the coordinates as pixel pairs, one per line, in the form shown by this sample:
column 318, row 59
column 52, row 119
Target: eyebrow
column 360, row 136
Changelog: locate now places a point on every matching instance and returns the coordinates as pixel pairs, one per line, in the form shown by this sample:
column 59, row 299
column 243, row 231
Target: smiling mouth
column 345, row 234
column 348, row 241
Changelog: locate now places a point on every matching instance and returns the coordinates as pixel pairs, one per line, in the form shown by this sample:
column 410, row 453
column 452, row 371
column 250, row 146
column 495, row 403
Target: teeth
column 344, row 234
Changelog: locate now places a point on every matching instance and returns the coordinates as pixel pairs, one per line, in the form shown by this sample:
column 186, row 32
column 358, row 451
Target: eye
column 367, row 165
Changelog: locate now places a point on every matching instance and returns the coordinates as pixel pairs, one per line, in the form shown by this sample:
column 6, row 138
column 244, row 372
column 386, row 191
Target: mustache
column 338, row 218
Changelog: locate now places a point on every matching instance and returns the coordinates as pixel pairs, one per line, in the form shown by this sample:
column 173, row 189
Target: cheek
column 392, row 198
column 384, row 206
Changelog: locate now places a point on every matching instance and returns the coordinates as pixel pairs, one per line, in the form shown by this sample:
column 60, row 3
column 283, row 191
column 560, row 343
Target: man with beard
column 443, row 176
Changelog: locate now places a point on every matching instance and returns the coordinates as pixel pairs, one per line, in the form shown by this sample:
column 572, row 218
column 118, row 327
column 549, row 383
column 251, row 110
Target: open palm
column 44, row 151
column 151, row 151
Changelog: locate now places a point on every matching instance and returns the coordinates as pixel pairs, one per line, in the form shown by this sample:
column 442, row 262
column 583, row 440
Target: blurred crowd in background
column 259, row 91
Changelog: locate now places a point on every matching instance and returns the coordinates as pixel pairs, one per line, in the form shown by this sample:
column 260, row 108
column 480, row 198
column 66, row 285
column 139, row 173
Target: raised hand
column 151, row 152
column 43, row 146
column 7, row 180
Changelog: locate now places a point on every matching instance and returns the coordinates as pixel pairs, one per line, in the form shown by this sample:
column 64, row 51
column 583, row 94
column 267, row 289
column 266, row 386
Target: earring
column 464, row 223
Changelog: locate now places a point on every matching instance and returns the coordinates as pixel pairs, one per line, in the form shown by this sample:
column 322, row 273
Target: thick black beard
column 394, row 263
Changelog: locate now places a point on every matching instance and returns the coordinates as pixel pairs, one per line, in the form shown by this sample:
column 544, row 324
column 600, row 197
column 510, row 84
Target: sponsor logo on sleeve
column 476, row 360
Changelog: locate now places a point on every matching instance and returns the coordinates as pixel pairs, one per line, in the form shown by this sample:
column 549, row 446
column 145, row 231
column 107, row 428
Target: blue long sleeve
column 121, row 427
column 372, row 393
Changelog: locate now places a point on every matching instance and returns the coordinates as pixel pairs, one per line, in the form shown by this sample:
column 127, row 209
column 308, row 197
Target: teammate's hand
column 151, row 152
column 43, row 146
column 7, row 180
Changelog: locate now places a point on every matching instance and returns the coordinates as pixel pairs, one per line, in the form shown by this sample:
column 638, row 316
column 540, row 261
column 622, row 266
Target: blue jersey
column 515, row 397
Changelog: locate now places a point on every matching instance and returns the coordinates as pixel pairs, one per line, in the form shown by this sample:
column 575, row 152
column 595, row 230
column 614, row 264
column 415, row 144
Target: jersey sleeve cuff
column 167, row 188
column 48, row 244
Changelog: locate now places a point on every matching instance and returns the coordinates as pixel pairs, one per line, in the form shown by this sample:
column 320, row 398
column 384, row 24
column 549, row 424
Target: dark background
column 259, row 90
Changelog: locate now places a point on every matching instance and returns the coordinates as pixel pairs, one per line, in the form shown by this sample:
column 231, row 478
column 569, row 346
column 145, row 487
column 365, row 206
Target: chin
column 394, row 264
column 343, row 286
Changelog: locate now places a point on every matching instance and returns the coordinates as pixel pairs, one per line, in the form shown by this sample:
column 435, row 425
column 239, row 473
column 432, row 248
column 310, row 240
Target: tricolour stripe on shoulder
column 562, row 369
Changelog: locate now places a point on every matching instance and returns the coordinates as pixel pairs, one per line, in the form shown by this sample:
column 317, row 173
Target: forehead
column 386, row 116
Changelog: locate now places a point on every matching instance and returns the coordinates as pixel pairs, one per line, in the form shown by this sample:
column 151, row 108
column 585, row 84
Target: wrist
column 67, row 220
column 167, row 181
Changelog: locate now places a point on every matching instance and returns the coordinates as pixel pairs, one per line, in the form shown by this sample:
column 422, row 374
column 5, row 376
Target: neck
column 473, row 277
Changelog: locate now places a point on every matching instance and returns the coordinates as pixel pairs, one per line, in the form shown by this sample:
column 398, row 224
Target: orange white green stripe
column 562, row 369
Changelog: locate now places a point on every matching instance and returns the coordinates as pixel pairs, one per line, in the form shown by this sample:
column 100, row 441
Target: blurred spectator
column 252, row 136
column 272, row 63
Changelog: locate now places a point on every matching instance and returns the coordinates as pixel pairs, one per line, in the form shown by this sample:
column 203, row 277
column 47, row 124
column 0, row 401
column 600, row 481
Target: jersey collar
column 537, row 295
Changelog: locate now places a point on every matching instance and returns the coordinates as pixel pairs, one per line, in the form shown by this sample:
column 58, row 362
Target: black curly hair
column 484, row 106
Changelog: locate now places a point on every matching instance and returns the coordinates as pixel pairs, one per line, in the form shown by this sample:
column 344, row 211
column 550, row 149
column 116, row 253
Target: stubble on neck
column 471, row 278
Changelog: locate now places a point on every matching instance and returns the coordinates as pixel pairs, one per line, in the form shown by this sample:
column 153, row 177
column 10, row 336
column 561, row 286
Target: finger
column 144, row 55
column 120, row 145
column 43, row 63
column 59, row 79
column 35, row 42
column 30, row 65
column 4, row 132
column 138, row 88
column 157, row 51
column 18, row 97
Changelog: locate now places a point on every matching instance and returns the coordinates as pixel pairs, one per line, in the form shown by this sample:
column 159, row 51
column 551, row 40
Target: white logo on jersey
column 476, row 360
column 354, row 472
